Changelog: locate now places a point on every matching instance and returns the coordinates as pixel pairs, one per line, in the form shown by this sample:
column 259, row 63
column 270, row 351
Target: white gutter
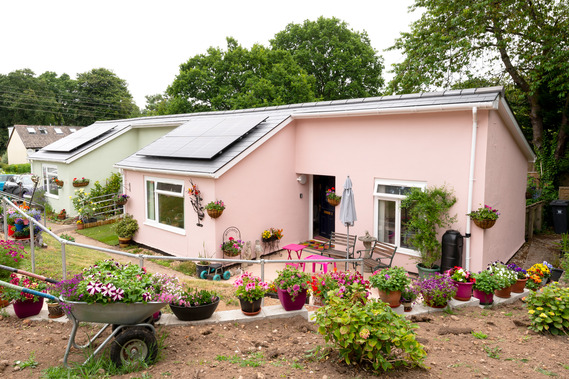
column 166, row 172
column 471, row 184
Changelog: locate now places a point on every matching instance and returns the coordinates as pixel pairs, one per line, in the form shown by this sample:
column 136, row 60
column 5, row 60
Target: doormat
column 315, row 245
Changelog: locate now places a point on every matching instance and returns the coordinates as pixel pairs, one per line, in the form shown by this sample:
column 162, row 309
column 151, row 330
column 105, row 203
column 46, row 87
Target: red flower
column 231, row 238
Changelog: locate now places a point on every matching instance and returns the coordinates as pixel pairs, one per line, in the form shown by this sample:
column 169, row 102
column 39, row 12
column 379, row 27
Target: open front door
column 324, row 213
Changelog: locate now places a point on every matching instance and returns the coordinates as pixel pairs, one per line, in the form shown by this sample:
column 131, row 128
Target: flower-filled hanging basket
column 334, row 202
column 58, row 182
column 484, row 224
column 214, row 213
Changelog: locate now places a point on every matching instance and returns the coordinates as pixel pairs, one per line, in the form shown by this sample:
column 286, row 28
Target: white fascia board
column 512, row 124
column 166, row 171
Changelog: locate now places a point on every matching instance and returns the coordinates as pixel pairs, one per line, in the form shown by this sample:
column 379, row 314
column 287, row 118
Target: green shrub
column 548, row 309
column 126, row 227
column 369, row 333
column 23, row 168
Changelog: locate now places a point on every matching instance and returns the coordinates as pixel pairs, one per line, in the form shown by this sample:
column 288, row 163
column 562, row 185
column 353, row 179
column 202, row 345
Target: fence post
column 32, row 244
column 64, row 265
column 141, row 260
column 5, row 226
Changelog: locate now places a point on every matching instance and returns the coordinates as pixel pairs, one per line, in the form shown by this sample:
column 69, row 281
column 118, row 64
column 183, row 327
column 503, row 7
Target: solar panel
column 79, row 138
column 202, row 137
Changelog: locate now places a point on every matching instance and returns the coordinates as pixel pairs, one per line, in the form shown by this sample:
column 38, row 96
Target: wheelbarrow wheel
column 133, row 346
column 226, row 275
column 204, row 275
column 216, row 277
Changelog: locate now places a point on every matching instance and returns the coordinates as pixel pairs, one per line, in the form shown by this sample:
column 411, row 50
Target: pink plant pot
column 485, row 298
column 27, row 308
column 287, row 302
column 463, row 290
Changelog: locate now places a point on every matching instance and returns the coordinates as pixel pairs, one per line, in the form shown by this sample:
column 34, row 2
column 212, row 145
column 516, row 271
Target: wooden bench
column 379, row 256
column 339, row 240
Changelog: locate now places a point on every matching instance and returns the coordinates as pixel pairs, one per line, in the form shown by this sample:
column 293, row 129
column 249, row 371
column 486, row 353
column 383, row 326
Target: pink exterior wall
column 261, row 191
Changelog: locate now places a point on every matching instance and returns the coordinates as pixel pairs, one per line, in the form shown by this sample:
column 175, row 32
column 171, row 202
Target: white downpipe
column 471, row 183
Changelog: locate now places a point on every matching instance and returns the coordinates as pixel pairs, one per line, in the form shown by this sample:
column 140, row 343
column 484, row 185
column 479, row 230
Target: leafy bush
column 548, row 309
column 126, row 227
column 390, row 279
column 369, row 333
column 23, row 168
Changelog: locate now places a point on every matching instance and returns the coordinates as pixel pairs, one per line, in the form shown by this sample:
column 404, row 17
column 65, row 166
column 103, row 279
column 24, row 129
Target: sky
column 144, row 42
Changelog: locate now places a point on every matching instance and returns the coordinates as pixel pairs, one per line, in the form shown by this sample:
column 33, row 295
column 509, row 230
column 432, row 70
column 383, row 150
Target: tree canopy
column 321, row 60
column 49, row 99
column 522, row 42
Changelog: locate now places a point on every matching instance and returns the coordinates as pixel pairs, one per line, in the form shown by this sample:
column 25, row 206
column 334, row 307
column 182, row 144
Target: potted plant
column 390, row 282
column 215, row 208
column 80, row 224
column 193, row 304
column 409, row 295
column 80, row 182
column 521, row 277
column 54, row 309
column 58, row 182
column 292, row 285
column 120, row 198
column 463, row 281
column 484, row 286
column 428, row 210
column 554, row 271
column 250, row 291
column 484, row 217
column 332, row 198
column 505, row 277
column 125, row 229
column 203, row 264
column 232, row 247
column 436, row 290
column 11, row 255
column 25, row 304
column 62, row 215
column 271, row 235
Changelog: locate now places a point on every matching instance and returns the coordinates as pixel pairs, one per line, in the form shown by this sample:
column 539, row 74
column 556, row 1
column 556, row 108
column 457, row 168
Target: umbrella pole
column 347, row 247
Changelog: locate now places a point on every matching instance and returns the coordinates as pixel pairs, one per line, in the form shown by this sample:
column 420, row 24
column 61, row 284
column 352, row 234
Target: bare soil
column 472, row 342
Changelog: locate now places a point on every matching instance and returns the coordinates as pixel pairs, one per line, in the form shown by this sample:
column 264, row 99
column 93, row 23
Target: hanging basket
column 214, row 213
column 484, row 224
column 59, row 183
column 81, row 184
column 333, row 202
column 121, row 201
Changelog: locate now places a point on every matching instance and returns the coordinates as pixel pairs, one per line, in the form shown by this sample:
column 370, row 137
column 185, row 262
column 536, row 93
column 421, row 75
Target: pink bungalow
column 272, row 167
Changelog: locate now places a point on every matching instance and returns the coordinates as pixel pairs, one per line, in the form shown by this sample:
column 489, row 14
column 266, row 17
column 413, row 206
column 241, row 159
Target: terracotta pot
column 200, row 312
column 80, row 226
column 393, row 298
column 3, row 303
column 407, row 306
column 54, row 310
column 463, row 290
column 519, row 286
column 27, row 308
column 287, row 302
column 485, row 298
column 503, row 293
column 124, row 242
column 250, row 308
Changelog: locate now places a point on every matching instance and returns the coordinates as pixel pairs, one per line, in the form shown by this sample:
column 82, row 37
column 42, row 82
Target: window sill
column 167, row 228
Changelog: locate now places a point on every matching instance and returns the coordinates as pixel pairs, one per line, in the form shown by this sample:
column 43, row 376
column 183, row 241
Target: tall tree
column 522, row 41
column 342, row 61
column 236, row 78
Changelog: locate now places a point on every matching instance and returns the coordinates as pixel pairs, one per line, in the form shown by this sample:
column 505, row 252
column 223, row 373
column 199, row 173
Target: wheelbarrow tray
column 113, row 313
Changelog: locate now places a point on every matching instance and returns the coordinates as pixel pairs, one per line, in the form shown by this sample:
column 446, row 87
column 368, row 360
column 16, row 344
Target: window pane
column 150, row 202
column 171, row 210
column 176, row 188
column 392, row 190
column 386, row 221
column 406, row 234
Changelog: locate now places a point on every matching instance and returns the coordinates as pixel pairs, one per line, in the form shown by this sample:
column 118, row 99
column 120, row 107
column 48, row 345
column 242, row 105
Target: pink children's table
column 325, row 262
column 297, row 249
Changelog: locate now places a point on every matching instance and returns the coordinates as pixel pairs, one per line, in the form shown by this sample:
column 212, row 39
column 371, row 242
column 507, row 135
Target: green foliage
column 485, row 282
column 548, row 309
column 390, row 279
column 493, row 352
column 11, row 254
column 369, row 333
column 126, row 227
column 479, row 335
column 342, row 61
column 292, row 280
column 22, row 168
column 67, row 237
column 428, row 210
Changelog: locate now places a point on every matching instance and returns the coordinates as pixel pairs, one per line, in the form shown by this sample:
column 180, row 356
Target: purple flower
column 93, row 288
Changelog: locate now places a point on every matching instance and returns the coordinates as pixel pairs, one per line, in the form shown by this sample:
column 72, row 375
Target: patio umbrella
column 348, row 212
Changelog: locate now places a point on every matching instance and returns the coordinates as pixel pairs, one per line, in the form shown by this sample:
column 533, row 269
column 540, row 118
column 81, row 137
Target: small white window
column 43, row 130
column 165, row 203
column 72, row 130
column 390, row 220
column 31, row 130
column 58, row 131
column 49, row 180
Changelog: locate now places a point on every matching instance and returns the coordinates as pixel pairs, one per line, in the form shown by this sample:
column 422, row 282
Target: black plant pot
column 555, row 274
column 201, row 312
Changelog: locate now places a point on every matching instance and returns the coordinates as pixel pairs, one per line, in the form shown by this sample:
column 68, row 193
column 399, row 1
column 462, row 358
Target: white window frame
column 45, row 180
column 377, row 196
column 156, row 223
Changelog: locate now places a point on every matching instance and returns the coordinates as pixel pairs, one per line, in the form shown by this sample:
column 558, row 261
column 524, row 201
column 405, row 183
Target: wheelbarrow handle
column 30, row 274
column 27, row 290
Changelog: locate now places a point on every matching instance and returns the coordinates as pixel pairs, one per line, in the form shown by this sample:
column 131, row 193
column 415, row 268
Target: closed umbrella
column 348, row 212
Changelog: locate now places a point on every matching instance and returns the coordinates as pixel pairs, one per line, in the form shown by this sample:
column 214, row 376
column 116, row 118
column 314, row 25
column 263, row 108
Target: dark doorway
column 324, row 213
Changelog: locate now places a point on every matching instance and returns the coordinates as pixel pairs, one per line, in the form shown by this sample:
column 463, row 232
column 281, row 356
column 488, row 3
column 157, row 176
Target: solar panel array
column 202, row 137
column 79, row 138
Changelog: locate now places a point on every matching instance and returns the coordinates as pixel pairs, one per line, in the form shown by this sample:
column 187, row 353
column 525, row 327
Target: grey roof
column 38, row 136
column 274, row 117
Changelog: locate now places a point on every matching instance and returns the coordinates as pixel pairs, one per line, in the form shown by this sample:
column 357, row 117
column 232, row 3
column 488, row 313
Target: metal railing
column 142, row 257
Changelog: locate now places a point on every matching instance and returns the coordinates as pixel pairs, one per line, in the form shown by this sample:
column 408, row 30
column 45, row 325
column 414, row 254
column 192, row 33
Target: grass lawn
column 103, row 233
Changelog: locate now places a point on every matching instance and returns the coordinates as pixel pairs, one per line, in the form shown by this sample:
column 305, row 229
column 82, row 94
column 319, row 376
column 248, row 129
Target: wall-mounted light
column 302, row 179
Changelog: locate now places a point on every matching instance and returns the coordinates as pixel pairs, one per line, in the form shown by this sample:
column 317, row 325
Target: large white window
column 391, row 220
column 49, row 176
column 165, row 203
